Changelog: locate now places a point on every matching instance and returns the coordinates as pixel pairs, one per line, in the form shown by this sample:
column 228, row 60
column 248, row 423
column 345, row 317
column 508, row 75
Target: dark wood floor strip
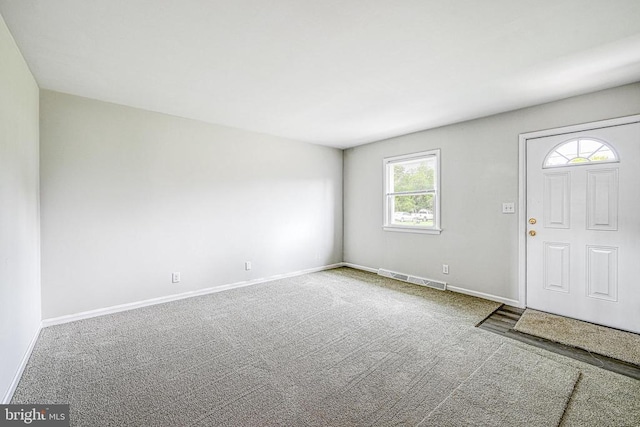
column 494, row 328
column 499, row 317
column 512, row 309
column 502, row 321
column 513, row 316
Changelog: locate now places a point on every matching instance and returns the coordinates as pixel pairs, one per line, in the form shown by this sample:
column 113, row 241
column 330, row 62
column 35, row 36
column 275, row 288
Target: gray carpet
column 587, row 336
column 536, row 391
column 334, row 348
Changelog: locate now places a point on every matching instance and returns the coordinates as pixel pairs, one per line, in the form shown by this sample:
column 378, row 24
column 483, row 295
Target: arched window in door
column 580, row 151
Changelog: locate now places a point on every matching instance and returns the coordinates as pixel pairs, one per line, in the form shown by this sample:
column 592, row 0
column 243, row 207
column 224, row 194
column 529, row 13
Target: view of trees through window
column 412, row 192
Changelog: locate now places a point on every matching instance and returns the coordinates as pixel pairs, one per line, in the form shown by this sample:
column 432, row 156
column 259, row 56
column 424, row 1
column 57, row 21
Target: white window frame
column 387, row 194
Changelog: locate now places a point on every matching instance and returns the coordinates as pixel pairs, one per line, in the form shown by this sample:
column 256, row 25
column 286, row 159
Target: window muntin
column 411, row 192
column 580, row 151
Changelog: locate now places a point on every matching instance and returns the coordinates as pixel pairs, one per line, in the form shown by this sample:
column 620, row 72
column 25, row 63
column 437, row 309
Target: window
column 411, row 193
column 580, row 151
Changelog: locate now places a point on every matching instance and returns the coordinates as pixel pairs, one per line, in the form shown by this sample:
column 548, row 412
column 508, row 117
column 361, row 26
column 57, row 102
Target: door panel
column 602, row 273
column 583, row 260
column 557, row 200
column 602, row 199
column 556, row 266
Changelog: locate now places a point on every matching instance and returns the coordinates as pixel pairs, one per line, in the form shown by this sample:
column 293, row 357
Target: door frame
column 522, row 187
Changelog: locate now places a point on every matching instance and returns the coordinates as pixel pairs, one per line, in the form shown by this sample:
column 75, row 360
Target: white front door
column 583, row 231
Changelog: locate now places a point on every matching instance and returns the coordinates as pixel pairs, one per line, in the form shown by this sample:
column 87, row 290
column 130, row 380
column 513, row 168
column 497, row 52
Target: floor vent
column 413, row 279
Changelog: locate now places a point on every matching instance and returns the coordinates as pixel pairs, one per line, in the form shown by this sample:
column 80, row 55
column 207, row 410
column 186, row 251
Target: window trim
column 387, row 215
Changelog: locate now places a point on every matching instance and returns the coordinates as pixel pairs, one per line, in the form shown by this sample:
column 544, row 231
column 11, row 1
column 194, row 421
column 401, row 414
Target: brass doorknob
column 532, row 233
column 532, row 221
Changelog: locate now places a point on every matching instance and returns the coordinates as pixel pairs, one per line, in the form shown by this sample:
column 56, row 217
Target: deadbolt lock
column 532, row 233
column 532, row 221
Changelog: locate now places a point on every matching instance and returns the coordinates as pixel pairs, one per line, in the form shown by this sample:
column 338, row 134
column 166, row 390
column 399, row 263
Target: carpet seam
column 460, row 385
column 573, row 392
column 415, row 384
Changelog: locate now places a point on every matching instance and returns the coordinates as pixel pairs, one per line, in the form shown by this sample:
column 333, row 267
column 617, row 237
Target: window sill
column 416, row 230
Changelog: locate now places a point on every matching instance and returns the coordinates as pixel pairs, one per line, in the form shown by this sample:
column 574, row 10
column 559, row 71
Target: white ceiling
column 333, row 72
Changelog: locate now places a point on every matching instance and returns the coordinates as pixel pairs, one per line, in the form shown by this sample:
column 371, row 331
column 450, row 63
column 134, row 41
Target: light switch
column 508, row 208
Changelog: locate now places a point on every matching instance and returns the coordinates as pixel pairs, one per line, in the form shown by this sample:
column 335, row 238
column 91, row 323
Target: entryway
column 582, row 222
column 506, row 319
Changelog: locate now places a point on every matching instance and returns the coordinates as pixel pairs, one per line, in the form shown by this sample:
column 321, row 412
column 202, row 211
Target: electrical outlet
column 175, row 277
column 445, row 268
column 247, row 265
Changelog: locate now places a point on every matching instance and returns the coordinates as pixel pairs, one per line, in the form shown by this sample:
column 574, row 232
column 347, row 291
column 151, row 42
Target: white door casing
column 584, row 260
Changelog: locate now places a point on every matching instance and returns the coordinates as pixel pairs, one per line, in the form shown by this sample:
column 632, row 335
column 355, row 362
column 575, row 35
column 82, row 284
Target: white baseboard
column 508, row 301
column 360, row 267
column 161, row 300
column 23, row 364
column 458, row 289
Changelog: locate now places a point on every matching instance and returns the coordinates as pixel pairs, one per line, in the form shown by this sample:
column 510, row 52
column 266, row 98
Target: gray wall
column 129, row 196
column 479, row 171
column 19, row 218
